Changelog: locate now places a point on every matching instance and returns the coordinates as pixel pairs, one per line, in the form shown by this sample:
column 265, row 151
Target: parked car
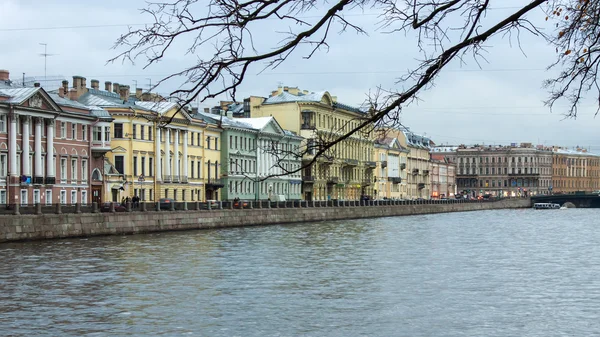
column 105, row 207
column 165, row 203
column 241, row 204
column 213, row 204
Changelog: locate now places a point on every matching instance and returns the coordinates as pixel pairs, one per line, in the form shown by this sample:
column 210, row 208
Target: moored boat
column 546, row 205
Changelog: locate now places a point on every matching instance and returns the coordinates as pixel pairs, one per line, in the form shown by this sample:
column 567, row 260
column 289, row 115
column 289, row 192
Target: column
column 102, row 135
column 167, row 152
column 38, row 148
column 12, row 146
column 185, row 154
column 26, row 169
column 176, row 168
column 50, row 149
column 157, row 166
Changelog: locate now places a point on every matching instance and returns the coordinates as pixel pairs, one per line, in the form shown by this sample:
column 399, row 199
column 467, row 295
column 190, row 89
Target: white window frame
column 73, row 170
column 3, row 165
column 24, row 197
column 63, row 169
column 84, row 200
column 73, row 197
column 63, row 130
column 63, row 197
column 3, row 121
column 84, row 169
column 74, row 131
column 3, row 197
column 84, row 132
column 48, row 197
column 36, row 196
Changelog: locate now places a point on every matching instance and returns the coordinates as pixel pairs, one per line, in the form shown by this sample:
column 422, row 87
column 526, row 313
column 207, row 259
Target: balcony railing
column 384, row 163
column 50, row 180
column 395, row 180
column 524, row 174
column 308, row 179
column 308, row 126
column 167, row 178
column 421, row 186
column 175, row 178
column 183, row 179
column 38, row 180
column 415, row 171
column 351, row 162
column 333, row 180
column 425, row 172
column 370, row 164
column 214, row 183
column 403, row 166
column 366, row 182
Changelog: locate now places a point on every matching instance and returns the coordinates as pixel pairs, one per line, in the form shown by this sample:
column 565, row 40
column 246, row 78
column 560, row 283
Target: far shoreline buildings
column 81, row 144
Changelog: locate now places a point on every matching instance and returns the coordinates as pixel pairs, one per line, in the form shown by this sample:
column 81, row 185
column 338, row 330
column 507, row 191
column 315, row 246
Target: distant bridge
column 575, row 200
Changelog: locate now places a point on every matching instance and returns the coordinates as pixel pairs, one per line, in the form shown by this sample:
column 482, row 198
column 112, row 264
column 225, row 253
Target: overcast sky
column 500, row 104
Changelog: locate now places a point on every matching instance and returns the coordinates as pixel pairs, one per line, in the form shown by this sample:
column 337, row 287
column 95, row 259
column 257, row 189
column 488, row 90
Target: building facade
column 575, row 171
column 503, row 170
column 391, row 173
column 259, row 159
column 45, row 151
column 343, row 172
column 443, row 177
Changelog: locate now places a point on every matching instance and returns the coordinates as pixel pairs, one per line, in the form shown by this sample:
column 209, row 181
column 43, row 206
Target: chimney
column 194, row 110
column 138, row 93
column 95, row 84
column 274, row 93
column 36, row 85
column 64, row 90
column 124, row 92
column 107, row 85
column 73, row 94
column 4, row 75
column 115, row 88
column 207, row 110
column 285, row 88
column 77, row 82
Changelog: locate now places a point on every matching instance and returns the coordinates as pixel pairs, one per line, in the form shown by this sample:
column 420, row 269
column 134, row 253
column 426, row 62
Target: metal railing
column 150, row 206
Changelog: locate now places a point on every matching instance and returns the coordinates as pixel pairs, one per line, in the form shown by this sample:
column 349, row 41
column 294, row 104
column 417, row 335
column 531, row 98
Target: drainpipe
column 11, row 112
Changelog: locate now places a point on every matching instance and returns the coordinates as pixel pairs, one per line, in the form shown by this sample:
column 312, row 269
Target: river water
column 486, row 273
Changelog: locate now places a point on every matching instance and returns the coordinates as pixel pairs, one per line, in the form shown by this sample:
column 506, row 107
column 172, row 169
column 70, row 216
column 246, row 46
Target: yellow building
column 345, row 172
column 391, row 173
column 158, row 149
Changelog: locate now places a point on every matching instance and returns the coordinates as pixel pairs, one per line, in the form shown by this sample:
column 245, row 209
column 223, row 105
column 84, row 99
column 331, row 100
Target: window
column 49, row 197
column 120, row 164
column 107, row 133
column 134, row 131
column 192, row 169
column 149, row 133
column 118, row 130
column 63, row 168
column 73, row 197
column 24, row 197
column 175, row 194
column 135, row 170
column 3, row 165
column 63, row 197
column 143, row 164
column 84, row 200
column 73, row 169
column 36, row 196
column 208, row 142
column 84, row 169
column 63, row 130
column 142, row 132
column 73, row 131
column 151, row 166
column 166, row 192
column 3, row 129
column 97, row 134
column 84, row 129
column 199, row 171
column 3, row 197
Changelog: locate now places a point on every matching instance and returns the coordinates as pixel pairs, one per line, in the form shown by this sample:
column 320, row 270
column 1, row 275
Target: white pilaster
column 12, row 146
column 167, row 152
column 176, row 169
column 185, row 154
column 38, row 148
column 50, row 149
column 25, row 147
column 157, row 156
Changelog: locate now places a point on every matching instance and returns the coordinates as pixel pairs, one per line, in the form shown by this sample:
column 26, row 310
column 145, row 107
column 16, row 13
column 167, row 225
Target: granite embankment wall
column 48, row 226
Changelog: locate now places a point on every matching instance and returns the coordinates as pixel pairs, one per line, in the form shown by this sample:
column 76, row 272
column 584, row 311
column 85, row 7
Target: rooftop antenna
column 135, row 82
column 150, row 81
column 45, row 55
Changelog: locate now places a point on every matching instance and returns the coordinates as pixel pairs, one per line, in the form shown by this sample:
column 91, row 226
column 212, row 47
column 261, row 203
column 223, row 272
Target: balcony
column 351, row 162
column 524, row 174
column 425, row 172
column 333, row 180
column 214, row 184
column 38, row 180
column 415, row 172
column 175, row 178
column 395, row 180
column 467, row 175
column 421, row 186
column 100, row 148
column 370, row 164
column 384, row 163
column 308, row 179
column 50, row 180
column 167, row 178
column 366, row 182
column 183, row 179
column 403, row 166
column 307, row 126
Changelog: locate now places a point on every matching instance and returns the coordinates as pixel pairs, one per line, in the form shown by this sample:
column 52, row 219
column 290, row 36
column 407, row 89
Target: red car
column 118, row 207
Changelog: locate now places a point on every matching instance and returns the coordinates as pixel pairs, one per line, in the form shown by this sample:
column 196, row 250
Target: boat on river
column 546, row 205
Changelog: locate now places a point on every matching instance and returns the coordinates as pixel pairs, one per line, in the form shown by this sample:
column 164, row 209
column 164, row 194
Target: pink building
column 46, row 155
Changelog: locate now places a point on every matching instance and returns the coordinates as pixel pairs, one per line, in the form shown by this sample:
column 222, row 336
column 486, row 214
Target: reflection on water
column 508, row 273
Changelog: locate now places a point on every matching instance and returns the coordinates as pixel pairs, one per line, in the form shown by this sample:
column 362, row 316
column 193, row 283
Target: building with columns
column 256, row 154
column 574, row 170
column 45, row 151
column 346, row 170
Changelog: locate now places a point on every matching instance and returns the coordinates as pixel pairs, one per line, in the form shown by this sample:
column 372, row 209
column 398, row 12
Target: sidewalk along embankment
column 51, row 226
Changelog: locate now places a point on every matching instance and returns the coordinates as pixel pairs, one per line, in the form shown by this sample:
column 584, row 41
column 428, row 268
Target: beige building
column 575, row 170
column 344, row 172
column 516, row 170
column 443, row 177
column 391, row 173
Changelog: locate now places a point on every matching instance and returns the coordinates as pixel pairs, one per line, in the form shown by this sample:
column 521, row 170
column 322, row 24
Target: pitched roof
column 286, row 97
column 159, row 107
column 17, row 95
